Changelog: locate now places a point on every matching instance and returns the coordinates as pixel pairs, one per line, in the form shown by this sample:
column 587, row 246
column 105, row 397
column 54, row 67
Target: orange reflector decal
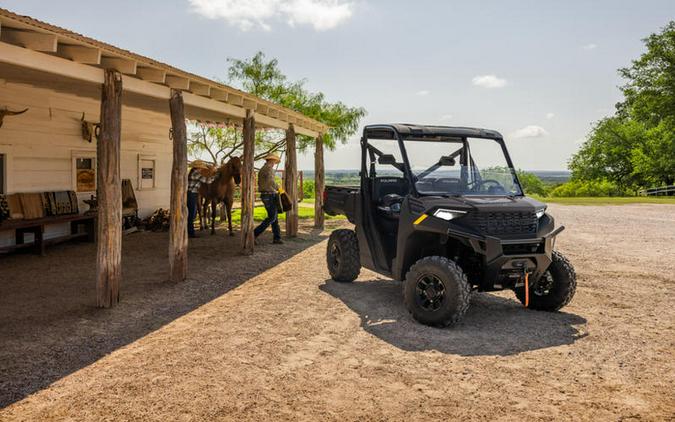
column 420, row 219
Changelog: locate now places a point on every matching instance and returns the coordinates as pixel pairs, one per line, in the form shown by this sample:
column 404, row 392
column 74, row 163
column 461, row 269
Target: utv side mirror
column 446, row 161
column 387, row 159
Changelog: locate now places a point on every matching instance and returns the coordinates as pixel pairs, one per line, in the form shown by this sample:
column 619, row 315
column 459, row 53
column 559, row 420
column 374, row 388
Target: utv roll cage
column 408, row 132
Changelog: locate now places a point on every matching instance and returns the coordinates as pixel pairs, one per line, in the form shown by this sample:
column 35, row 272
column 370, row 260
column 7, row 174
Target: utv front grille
column 502, row 223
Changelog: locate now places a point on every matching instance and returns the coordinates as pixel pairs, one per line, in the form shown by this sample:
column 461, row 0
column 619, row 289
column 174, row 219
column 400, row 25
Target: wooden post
column 109, row 193
column 318, row 183
column 247, row 185
column 178, row 242
column 291, row 182
column 301, row 186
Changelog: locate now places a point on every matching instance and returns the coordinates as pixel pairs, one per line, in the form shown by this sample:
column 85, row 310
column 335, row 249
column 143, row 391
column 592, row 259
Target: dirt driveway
column 290, row 344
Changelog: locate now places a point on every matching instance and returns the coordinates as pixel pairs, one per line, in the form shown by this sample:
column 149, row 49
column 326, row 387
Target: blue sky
column 540, row 72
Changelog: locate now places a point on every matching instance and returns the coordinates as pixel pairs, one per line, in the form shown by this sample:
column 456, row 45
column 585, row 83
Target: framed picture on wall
column 84, row 172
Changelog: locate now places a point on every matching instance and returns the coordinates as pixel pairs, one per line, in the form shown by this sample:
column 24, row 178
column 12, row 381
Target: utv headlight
column 448, row 215
column 540, row 212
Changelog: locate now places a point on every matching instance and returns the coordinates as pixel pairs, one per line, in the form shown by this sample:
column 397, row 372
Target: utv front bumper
column 505, row 261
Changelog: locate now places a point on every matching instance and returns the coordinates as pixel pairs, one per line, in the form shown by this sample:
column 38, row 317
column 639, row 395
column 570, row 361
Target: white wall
column 40, row 145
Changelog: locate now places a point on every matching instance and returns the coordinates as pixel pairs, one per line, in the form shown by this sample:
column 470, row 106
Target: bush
column 532, row 185
column 308, row 189
column 578, row 188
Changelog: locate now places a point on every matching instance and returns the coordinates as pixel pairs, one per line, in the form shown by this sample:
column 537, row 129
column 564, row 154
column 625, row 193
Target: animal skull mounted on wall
column 5, row 112
column 89, row 129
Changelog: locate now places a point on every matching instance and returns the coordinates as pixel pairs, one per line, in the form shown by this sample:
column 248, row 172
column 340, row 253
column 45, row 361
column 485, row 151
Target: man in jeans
column 195, row 180
column 269, row 194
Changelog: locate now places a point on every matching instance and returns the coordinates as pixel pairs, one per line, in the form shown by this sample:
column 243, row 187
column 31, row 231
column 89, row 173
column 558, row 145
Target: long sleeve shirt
column 266, row 182
column 196, row 179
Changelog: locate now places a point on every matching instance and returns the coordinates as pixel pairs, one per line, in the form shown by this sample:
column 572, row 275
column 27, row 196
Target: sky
column 539, row 72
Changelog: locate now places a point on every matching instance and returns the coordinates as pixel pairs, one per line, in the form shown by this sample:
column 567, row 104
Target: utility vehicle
column 441, row 209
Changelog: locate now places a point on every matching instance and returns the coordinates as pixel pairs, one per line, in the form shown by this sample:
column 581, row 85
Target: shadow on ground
column 493, row 325
column 50, row 328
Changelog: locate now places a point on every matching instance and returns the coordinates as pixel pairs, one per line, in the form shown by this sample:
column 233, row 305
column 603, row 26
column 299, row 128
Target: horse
column 221, row 190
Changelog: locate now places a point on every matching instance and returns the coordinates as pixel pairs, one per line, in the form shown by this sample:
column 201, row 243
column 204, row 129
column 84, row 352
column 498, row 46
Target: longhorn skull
column 6, row 112
column 89, row 129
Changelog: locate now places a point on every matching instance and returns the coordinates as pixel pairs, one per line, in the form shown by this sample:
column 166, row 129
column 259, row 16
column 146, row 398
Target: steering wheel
column 478, row 184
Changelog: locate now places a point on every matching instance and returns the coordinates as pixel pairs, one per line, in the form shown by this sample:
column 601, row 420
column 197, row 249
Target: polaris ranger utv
column 441, row 209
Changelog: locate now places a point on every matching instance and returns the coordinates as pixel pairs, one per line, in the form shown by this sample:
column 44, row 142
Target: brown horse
column 221, row 190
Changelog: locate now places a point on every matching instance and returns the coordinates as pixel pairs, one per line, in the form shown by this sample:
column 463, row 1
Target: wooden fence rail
column 660, row 191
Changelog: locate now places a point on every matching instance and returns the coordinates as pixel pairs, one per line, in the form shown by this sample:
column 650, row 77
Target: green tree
column 636, row 147
column 263, row 78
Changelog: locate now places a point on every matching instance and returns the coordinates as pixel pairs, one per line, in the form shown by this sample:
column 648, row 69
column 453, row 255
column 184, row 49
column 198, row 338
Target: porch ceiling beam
column 249, row 104
column 37, row 41
column 79, row 53
column 128, row 67
column 151, row 74
column 177, row 82
column 235, row 99
column 219, row 94
column 200, row 89
column 261, row 108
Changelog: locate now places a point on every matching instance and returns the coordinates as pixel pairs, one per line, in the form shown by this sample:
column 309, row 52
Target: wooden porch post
column 247, row 184
column 178, row 242
column 291, row 181
column 109, row 193
column 318, row 183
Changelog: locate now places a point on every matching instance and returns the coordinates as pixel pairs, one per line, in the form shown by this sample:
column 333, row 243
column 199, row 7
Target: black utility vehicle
column 441, row 208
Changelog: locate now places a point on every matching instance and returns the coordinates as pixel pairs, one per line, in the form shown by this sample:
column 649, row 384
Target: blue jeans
column 192, row 212
column 270, row 200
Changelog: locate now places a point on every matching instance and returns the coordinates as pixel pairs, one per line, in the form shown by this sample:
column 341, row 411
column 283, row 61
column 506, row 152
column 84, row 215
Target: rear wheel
column 554, row 289
column 342, row 256
column 436, row 291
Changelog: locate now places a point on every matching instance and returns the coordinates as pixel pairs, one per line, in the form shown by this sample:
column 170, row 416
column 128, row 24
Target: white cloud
column 322, row 14
column 446, row 117
column 590, row 46
column 530, row 131
column 249, row 14
column 422, row 93
column 550, row 115
column 488, row 81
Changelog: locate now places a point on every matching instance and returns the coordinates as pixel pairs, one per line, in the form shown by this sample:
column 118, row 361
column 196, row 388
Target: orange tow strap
column 527, row 289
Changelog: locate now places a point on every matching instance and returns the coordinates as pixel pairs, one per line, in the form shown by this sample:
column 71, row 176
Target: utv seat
column 447, row 185
column 386, row 185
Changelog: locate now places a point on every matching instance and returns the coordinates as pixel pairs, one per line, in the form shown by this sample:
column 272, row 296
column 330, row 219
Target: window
column 84, row 172
column 3, row 166
column 147, row 172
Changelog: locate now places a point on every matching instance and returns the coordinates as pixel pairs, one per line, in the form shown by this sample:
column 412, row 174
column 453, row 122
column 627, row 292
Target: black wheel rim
column 334, row 255
column 544, row 285
column 430, row 292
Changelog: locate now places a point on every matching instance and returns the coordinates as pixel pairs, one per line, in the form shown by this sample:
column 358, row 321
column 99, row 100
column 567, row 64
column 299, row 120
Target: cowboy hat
column 199, row 164
column 272, row 157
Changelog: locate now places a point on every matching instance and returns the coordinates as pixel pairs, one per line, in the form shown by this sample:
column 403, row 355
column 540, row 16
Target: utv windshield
column 473, row 166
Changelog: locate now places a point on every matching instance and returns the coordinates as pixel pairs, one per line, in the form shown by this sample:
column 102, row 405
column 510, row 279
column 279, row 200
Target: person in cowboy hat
column 268, row 189
column 195, row 178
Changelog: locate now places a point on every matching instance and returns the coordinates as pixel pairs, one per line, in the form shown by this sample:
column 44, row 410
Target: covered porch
column 113, row 88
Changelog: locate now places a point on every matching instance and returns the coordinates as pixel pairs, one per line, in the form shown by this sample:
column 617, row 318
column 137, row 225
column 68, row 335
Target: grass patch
column 607, row 200
column 259, row 214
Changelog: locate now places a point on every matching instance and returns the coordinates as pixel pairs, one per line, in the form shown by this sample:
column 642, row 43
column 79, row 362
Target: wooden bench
column 37, row 228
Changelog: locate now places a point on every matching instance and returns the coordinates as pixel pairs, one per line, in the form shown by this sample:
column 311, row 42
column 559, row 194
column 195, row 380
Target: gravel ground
column 271, row 337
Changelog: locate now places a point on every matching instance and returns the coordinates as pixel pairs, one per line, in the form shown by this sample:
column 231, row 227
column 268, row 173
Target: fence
column 660, row 191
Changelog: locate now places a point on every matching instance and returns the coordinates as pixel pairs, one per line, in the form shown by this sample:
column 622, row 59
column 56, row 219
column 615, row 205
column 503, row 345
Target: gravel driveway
column 272, row 338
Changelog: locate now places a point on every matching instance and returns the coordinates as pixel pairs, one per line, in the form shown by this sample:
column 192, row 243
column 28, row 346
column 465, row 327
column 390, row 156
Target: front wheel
column 436, row 291
column 342, row 256
column 554, row 289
